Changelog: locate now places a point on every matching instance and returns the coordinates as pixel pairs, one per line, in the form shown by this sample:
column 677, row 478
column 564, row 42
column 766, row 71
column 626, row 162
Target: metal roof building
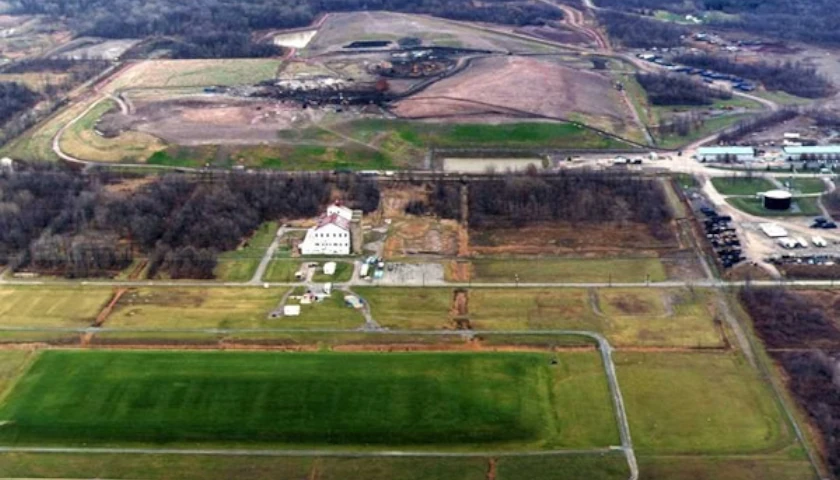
column 720, row 154
column 818, row 152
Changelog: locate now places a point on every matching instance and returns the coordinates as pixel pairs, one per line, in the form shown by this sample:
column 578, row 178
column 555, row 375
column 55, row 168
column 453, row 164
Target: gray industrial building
column 818, row 153
column 726, row 154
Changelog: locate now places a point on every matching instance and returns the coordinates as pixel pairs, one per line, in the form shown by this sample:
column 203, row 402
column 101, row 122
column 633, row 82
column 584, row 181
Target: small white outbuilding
column 291, row 310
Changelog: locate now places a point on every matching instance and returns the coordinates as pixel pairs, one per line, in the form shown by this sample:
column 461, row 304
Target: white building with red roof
column 332, row 234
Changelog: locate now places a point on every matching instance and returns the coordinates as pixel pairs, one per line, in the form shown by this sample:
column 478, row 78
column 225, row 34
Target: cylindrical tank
column 777, row 200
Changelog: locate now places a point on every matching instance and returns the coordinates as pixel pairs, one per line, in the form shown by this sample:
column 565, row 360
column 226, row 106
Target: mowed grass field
column 699, row 403
column 462, row 401
column 239, row 265
column 572, row 270
column 627, row 317
column 195, row 73
column 51, row 307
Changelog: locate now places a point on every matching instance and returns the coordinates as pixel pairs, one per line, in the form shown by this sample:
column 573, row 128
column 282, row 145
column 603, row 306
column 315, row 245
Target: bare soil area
column 210, row 120
column 565, row 238
column 535, row 86
column 412, row 234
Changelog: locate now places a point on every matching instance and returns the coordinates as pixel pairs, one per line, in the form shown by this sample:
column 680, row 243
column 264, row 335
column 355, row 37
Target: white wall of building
column 330, row 239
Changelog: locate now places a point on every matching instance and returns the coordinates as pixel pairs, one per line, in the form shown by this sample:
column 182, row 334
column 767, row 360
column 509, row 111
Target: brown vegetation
column 524, row 84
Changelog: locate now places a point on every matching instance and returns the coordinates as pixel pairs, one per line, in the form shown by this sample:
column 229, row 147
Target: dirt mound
column 536, row 86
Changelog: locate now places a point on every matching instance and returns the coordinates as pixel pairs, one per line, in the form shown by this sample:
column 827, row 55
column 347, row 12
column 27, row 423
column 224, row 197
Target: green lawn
column 698, row 403
column 55, row 306
column 709, row 126
column 805, row 185
column 742, row 185
column 563, row 467
column 330, row 313
column 280, row 270
column 803, row 207
column 343, row 273
column 580, row 270
column 239, row 265
column 12, row 363
column 440, row 400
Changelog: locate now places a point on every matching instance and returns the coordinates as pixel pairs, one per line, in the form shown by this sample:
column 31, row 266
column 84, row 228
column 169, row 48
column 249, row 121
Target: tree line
column 791, row 77
column 222, row 28
column 56, row 221
column 756, row 123
column 14, row 99
column 672, row 89
column 638, row 32
column 785, row 319
column 578, row 197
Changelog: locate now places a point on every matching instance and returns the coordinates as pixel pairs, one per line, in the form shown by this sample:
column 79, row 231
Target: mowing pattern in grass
column 741, row 185
column 802, row 207
column 328, row 399
column 698, row 403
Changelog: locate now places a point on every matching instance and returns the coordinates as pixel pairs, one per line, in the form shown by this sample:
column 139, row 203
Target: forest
column 15, row 98
column 756, row 123
column 671, row 89
column 805, row 20
column 639, row 32
column 58, row 222
column 222, row 28
column 793, row 78
column 577, row 197
column 784, row 319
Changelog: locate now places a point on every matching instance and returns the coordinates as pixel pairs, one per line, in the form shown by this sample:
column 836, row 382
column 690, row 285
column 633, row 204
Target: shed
column 291, row 310
column 773, row 230
column 329, row 268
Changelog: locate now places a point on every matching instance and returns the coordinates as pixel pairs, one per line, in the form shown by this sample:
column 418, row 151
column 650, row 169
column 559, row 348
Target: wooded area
column 755, row 124
column 15, row 98
column 785, row 319
column 578, row 196
column 793, row 78
column 56, row 221
column 671, row 89
column 638, row 32
column 805, row 20
column 222, row 28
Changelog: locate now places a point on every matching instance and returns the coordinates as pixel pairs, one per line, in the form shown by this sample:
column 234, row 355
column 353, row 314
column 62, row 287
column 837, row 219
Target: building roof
column 726, row 151
column 333, row 219
column 773, row 230
column 818, row 149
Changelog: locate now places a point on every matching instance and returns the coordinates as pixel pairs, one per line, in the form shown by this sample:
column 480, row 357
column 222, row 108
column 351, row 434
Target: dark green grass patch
column 308, row 399
column 742, row 185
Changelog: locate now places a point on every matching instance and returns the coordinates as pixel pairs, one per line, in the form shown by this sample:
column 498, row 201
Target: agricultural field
column 627, row 317
column 52, row 307
column 332, row 400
